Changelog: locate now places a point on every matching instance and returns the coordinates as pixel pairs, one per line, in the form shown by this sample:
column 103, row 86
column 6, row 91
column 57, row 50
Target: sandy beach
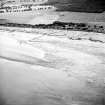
column 52, row 67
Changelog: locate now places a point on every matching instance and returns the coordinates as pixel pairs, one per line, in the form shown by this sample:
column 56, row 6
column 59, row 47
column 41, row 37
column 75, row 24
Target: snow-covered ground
column 51, row 67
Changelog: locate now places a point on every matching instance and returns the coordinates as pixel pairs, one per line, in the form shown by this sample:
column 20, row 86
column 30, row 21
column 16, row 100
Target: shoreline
column 86, row 27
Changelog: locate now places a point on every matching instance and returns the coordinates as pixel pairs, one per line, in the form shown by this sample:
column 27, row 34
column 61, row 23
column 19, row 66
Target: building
column 27, row 1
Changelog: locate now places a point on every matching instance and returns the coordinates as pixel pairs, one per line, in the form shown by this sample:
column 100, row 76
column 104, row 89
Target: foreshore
column 51, row 67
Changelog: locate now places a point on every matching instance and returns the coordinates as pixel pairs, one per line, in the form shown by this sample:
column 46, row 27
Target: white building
column 27, row 1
